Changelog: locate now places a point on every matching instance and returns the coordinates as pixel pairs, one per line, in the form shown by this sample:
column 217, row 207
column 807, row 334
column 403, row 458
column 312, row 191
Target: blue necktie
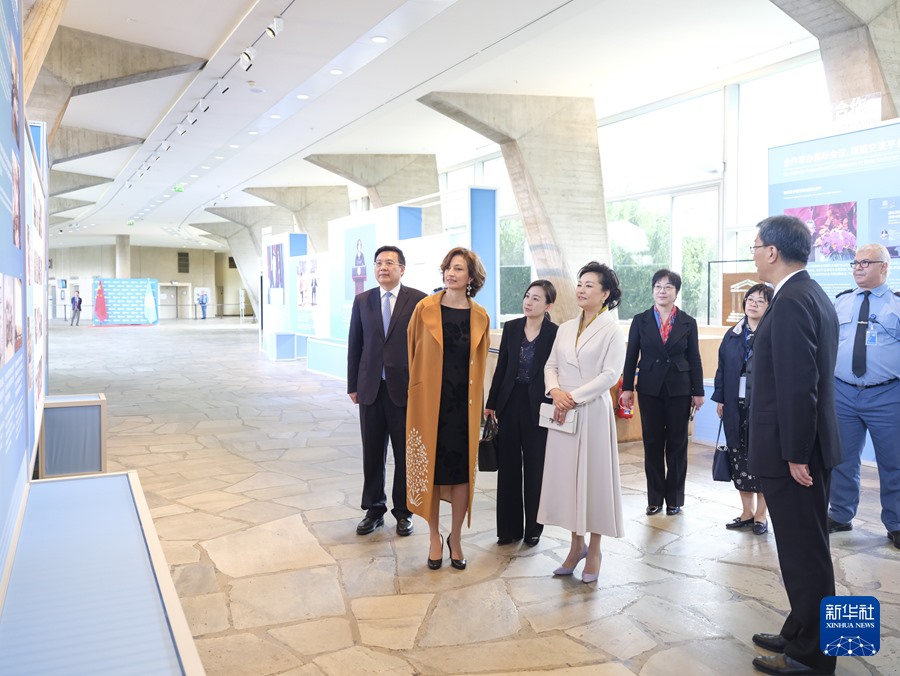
column 386, row 318
column 386, row 311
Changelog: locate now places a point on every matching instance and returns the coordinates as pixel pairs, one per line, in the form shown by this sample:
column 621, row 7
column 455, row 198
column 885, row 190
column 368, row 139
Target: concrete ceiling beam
column 78, row 62
column 62, row 182
column 71, row 143
column 58, row 205
column 312, row 206
column 389, row 179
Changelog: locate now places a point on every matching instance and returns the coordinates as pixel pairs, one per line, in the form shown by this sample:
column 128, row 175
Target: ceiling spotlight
column 128, row 184
column 190, row 118
column 202, row 106
column 164, row 147
column 247, row 58
column 275, row 27
column 335, row 71
column 181, row 130
column 222, row 86
column 379, row 39
column 302, row 97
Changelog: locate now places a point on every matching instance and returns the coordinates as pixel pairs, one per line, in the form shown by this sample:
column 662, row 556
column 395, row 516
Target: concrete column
column 40, row 27
column 389, row 179
column 553, row 159
column 243, row 233
column 312, row 208
column 860, row 45
column 123, row 257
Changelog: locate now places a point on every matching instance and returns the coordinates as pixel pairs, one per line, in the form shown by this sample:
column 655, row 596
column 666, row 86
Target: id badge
column 742, row 388
column 871, row 337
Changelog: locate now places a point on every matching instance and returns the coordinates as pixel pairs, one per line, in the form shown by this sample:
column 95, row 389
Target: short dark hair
column 764, row 289
column 395, row 249
column 608, row 279
column 473, row 263
column 547, row 286
column 674, row 278
column 789, row 235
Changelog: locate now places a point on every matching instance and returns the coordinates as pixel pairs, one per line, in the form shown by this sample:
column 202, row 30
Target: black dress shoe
column 507, row 541
column 405, row 526
column 434, row 564
column 894, row 536
column 672, row 511
column 534, row 539
column 774, row 642
column 760, row 527
column 369, row 524
column 459, row 564
column 782, row 664
column 737, row 523
column 653, row 509
column 837, row 526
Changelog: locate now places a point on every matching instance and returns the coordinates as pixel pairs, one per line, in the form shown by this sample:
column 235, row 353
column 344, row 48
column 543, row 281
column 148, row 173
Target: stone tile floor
column 252, row 471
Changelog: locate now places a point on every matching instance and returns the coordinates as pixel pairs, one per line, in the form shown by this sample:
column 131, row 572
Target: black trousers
column 378, row 422
column 520, row 469
column 664, row 425
column 800, row 520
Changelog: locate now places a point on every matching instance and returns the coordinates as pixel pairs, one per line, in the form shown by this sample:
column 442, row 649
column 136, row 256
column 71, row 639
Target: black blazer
column 677, row 363
column 368, row 349
column 508, row 366
column 792, row 374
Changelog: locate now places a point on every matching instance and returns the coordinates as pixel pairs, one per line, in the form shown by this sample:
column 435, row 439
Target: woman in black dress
column 449, row 337
column 517, row 392
column 732, row 398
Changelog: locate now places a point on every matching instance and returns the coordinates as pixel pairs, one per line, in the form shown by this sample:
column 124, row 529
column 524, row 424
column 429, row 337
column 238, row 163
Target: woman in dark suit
column 517, row 392
column 663, row 345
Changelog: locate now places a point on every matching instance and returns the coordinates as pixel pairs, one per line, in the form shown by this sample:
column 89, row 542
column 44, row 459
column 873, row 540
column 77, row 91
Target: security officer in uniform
column 867, row 390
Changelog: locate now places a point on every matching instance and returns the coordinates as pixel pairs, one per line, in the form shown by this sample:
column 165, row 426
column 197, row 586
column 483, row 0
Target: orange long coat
column 426, row 355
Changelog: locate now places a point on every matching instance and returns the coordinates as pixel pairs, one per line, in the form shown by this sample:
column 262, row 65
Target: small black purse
column 487, row 447
column 721, row 468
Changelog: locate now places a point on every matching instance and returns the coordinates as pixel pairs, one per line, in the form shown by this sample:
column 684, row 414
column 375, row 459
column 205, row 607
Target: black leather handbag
column 721, row 469
column 488, row 446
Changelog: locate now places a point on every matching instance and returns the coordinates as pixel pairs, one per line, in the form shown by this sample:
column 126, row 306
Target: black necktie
column 859, row 344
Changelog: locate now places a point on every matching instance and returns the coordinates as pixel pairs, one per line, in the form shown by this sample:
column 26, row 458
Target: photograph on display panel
column 833, row 229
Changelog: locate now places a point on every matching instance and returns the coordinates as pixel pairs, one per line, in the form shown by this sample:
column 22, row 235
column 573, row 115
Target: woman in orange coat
column 449, row 337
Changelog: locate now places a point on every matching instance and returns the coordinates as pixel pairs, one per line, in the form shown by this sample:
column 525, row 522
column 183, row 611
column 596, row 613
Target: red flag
column 100, row 304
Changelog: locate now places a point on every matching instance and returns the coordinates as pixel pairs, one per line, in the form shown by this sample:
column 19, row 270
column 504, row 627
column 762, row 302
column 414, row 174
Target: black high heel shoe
column 459, row 564
column 434, row 564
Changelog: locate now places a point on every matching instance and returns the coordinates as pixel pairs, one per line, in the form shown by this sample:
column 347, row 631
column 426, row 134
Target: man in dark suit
column 794, row 439
column 378, row 380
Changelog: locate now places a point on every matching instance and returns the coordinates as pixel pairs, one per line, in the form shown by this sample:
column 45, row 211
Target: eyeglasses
column 865, row 263
column 754, row 247
column 663, row 287
column 758, row 302
column 386, row 264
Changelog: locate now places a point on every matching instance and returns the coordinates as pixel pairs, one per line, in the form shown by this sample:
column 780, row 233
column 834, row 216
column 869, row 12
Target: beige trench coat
column 426, row 355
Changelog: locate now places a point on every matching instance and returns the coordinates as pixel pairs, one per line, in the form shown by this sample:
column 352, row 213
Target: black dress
column 452, row 450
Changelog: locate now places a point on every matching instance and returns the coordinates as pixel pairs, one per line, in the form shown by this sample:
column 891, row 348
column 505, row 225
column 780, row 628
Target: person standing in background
column 867, row 390
column 377, row 380
column 664, row 344
column 794, row 440
column 76, row 309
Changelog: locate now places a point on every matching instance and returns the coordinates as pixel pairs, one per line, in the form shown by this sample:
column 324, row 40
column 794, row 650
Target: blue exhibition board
column 125, row 302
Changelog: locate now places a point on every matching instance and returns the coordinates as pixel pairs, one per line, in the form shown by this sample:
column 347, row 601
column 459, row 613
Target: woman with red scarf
column 664, row 347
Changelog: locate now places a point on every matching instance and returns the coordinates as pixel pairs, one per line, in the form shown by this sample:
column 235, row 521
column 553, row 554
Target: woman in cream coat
column 448, row 337
column 580, row 490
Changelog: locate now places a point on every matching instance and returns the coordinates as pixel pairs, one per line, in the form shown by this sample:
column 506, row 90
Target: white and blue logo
column 850, row 626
